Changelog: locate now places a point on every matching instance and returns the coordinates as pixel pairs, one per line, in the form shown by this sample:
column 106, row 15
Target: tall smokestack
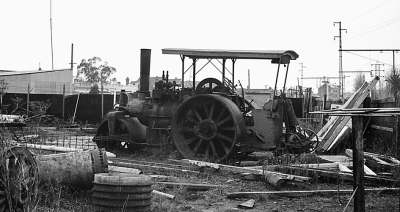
column 145, row 55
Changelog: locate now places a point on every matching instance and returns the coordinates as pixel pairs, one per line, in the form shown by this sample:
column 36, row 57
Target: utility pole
column 302, row 72
column 248, row 78
column 51, row 36
column 72, row 57
column 377, row 70
column 341, row 84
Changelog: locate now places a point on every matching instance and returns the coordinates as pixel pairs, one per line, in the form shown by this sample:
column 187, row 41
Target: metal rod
column 233, row 72
column 194, row 73
column 225, row 67
column 284, row 84
column 223, row 71
column 72, row 57
column 27, row 99
column 394, row 64
column 216, row 67
column 370, row 50
column 351, row 197
column 183, row 71
column 209, row 60
column 63, row 102
column 276, row 81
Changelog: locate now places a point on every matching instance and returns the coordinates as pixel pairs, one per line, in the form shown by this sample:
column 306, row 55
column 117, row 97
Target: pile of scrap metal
column 339, row 127
column 18, row 179
column 21, row 172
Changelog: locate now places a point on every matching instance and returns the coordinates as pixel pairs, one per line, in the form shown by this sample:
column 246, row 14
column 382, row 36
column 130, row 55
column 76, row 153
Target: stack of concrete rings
column 118, row 191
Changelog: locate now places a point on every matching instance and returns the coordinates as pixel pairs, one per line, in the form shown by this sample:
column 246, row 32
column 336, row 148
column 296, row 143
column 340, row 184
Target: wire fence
column 70, row 138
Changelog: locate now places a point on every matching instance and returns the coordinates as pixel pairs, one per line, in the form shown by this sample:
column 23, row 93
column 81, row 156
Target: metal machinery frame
column 205, row 121
column 276, row 56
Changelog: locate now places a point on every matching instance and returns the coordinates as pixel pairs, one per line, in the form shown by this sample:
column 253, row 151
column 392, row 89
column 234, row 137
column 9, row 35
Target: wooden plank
column 124, row 170
column 192, row 186
column 377, row 127
column 333, row 175
column 358, row 164
column 336, row 158
column 274, row 178
column 343, row 168
column 153, row 168
column 303, row 192
column 162, row 194
column 374, row 161
column 368, row 171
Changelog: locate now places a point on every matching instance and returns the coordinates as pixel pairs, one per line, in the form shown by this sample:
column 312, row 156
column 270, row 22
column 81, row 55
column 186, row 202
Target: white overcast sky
column 116, row 30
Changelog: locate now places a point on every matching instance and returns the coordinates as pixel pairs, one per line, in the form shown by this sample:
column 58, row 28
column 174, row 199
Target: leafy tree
column 94, row 89
column 95, row 70
column 113, row 80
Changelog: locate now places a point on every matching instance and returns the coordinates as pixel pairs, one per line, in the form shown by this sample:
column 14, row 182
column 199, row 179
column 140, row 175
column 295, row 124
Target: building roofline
column 11, row 73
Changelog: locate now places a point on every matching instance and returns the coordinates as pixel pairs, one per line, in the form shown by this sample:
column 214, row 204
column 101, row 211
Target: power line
column 368, row 58
column 377, row 27
column 369, row 11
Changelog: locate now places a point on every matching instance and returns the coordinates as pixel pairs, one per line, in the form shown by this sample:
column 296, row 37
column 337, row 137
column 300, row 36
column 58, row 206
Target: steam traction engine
column 209, row 121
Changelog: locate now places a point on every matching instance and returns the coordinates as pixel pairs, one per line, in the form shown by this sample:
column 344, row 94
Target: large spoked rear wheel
column 207, row 127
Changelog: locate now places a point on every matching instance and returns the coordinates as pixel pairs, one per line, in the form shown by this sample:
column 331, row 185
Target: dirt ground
column 64, row 199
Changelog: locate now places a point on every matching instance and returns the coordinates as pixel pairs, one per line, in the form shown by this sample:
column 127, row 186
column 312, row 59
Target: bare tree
column 358, row 81
column 394, row 87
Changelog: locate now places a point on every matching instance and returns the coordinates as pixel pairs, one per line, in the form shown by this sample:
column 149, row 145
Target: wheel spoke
column 191, row 119
column 204, row 106
column 221, row 114
column 207, row 153
column 196, row 148
column 227, row 118
column 214, row 150
column 226, row 149
column 211, row 112
column 224, row 137
column 196, row 113
column 227, row 128
column 2, row 200
column 3, row 207
column 191, row 140
column 187, row 129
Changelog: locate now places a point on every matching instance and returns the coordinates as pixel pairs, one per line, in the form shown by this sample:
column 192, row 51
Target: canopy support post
column 183, row 71
column 233, row 72
column 194, row 73
column 223, row 71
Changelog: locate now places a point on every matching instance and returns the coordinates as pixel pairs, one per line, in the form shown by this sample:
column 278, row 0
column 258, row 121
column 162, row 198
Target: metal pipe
column 72, row 168
column 145, row 56
column 183, row 71
column 223, row 71
column 194, row 73
column 276, row 81
column 284, row 84
column 394, row 64
column 233, row 72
